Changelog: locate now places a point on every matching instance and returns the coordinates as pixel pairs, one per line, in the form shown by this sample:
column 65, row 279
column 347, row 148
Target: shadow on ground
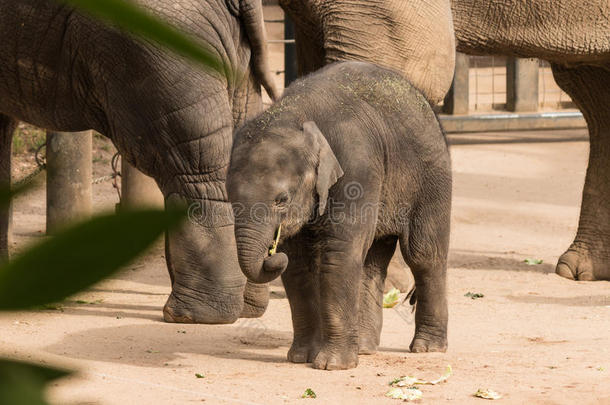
column 579, row 301
column 161, row 344
column 471, row 260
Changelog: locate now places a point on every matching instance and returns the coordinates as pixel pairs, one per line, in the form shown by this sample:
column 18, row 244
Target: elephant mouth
column 276, row 240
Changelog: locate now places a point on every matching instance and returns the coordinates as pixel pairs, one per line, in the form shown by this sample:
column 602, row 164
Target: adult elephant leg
column 207, row 285
column 588, row 258
column 7, row 127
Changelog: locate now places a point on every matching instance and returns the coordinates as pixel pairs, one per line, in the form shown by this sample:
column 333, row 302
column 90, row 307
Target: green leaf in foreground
column 391, row 298
column 532, row 262
column 309, row 394
column 198, row 375
column 473, row 296
column 140, row 22
column 80, row 256
column 24, row 383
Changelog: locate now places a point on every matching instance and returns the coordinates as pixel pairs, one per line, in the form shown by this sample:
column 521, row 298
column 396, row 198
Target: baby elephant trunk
column 253, row 251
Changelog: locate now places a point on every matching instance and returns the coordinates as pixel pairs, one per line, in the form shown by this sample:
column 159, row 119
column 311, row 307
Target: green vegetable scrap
column 309, row 394
column 409, row 380
column 487, row 394
column 473, row 296
column 199, row 375
column 406, row 394
column 391, row 298
column 532, row 262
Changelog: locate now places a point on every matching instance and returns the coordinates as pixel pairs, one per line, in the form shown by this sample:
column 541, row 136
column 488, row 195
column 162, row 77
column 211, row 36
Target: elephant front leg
column 340, row 277
column 588, row 258
column 302, row 290
column 7, row 127
column 371, row 294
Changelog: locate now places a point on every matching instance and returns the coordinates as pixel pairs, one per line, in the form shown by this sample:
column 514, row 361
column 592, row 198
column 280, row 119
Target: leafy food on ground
column 487, row 394
column 532, row 262
column 391, row 298
column 406, row 394
column 473, row 296
column 309, row 394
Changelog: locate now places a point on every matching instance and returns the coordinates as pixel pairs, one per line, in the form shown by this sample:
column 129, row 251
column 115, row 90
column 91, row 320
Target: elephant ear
column 329, row 170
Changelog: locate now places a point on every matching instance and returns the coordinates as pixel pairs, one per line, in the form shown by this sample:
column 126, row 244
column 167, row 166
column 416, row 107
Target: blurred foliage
column 23, row 383
column 80, row 256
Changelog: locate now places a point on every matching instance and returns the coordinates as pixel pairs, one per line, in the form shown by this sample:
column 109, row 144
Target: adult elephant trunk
column 253, row 253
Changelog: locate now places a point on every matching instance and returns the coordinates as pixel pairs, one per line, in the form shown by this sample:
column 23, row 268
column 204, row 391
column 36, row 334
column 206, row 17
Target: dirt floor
column 534, row 337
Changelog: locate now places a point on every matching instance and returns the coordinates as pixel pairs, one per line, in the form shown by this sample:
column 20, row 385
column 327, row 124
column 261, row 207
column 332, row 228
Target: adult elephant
column 413, row 37
column 64, row 71
column 573, row 35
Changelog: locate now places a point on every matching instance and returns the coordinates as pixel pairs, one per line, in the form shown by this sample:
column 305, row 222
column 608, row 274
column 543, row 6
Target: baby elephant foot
column 367, row 345
column 336, row 358
column 302, row 353
column 423, row 343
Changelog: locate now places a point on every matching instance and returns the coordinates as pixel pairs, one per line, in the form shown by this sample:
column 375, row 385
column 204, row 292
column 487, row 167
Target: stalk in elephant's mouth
column 273, row 247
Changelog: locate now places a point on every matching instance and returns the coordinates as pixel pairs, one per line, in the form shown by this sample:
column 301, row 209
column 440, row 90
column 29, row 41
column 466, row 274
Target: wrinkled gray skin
column 414, row 37
column 349, row 161
column 63, row 71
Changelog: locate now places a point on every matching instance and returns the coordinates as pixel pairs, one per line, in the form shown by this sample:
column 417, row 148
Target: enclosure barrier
column 519, row 89
column 526, row 90
column 68, row 163
column 5, row 181
column 69, row 171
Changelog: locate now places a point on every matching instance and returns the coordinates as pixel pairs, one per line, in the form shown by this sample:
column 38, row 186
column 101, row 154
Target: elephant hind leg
column 7, row 127
column 424, row 247
column 371, row 294
column 588, row 258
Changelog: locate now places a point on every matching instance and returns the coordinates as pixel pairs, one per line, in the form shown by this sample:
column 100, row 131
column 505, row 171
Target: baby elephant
column 349, row 161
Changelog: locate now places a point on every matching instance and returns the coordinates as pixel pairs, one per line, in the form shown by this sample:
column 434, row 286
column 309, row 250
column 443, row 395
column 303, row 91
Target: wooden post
column 138, row 190
column 522, row 85
column 290, row 53
column 457, row 99
column 68, row 178
column 7, row 127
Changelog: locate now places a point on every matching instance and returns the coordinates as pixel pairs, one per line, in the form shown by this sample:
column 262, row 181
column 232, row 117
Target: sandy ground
column 534, row 337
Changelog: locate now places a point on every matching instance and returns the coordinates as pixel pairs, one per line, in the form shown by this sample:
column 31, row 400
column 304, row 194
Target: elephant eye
column 281, row 199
